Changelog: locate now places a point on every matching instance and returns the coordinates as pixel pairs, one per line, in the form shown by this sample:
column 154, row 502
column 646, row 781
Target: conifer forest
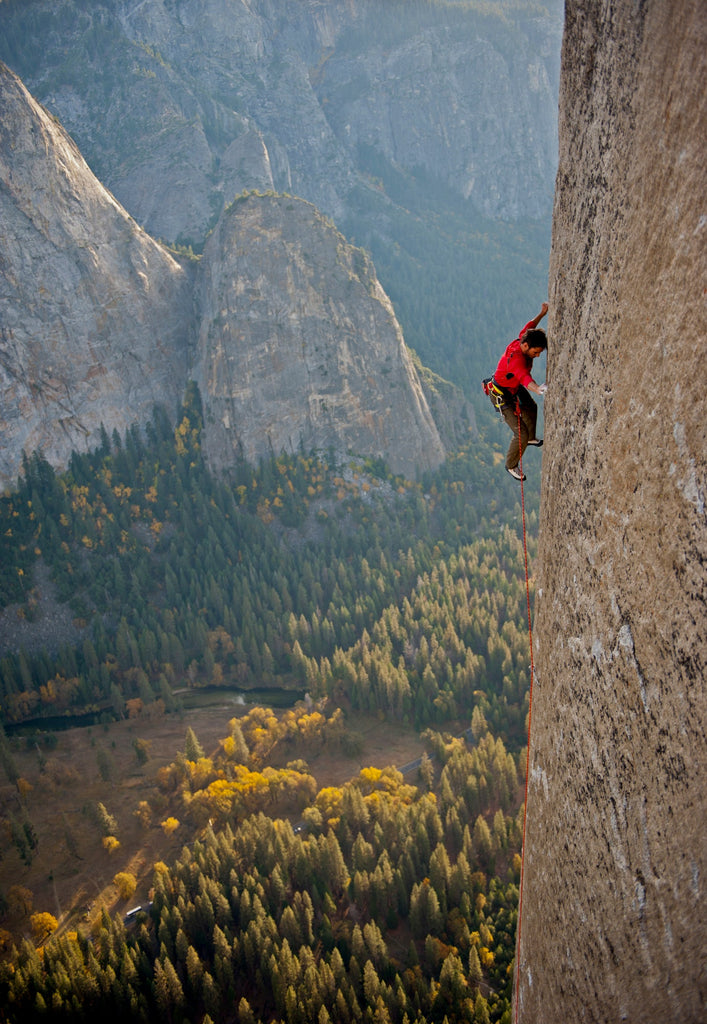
column 320, row 591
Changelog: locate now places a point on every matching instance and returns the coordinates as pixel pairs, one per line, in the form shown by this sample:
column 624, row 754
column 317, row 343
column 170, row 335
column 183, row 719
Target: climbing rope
column 530, row 708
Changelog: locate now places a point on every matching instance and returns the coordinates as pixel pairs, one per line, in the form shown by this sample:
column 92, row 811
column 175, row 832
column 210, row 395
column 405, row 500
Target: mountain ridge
column 427, row 131
column 180, row 107
column 106, row 327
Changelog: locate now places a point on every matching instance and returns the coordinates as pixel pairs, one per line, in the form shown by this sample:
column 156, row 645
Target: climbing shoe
column 516, row 473
column 537, row 442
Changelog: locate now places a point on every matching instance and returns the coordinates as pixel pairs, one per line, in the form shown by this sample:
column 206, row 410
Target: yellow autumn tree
column 42, row 924
column 126, row 884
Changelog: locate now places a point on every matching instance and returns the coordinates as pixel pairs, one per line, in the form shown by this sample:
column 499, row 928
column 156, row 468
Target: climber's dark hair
column 535, row 338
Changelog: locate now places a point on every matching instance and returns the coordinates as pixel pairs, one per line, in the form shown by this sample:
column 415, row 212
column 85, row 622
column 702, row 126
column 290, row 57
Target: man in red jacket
column 509, row 390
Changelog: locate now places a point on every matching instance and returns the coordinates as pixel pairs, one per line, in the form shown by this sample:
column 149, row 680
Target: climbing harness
column 530, row 709
column 498, row 396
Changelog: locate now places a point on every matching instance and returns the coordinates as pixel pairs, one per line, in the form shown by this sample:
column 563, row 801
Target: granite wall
column 613, row 924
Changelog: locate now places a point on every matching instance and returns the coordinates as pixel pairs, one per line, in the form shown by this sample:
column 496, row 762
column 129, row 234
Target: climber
column 508, row 390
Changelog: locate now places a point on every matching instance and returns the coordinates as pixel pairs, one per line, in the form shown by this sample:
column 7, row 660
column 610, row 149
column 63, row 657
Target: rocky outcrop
column 95, row 314
column 299, row 347
column 180, row 106
column 615, row 864
column 298, row 343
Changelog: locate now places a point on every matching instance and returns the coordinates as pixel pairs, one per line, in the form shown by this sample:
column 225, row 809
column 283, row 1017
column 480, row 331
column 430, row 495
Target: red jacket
column 513, row 370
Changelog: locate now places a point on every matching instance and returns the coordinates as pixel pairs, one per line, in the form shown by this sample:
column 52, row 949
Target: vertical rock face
column 613, row 923
column 299, row 345
column 95, row 314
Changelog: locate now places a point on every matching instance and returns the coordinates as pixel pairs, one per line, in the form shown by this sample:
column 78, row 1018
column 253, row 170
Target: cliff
column 95, row 314
column 299, row 345
column 426, row 130
column 180, row 106
column 613, row 924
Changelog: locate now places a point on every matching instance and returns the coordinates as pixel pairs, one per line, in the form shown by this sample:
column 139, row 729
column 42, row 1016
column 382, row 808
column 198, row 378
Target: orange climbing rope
column 530, row 709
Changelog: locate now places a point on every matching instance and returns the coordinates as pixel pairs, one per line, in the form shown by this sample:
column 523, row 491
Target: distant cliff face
column 180, row 106
column 452, row 98
column 613, row 925
column 94, row 315
column 299, row 345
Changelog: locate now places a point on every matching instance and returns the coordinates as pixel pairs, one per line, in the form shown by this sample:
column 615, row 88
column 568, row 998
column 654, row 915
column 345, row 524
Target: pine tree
column 245, row 1014
column 481, row 1010
column 193, row 750
column 106, row 822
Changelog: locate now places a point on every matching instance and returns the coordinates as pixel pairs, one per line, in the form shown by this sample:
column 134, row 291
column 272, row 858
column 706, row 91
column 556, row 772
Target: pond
column 199, row 697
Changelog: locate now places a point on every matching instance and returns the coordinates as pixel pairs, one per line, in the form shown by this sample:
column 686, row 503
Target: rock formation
column 299, row 346
column 95, row 314
column 180, row 106
column 613, row 924
column 426, row 130
column 298, row 343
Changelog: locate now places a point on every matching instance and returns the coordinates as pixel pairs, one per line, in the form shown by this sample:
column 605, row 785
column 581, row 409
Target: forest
column 387, row 898
column 381, row 905
column 300, row 574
